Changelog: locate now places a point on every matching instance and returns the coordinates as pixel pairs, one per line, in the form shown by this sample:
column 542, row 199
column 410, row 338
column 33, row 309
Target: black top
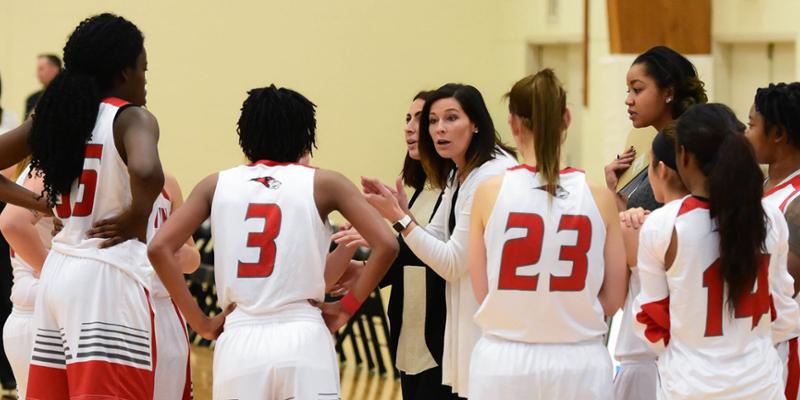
column 435, row 306
column 31, row 101
column 640, row 193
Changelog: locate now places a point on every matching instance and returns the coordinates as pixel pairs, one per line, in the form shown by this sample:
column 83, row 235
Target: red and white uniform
column 173, row 378
column 93, row 319
column 270, row 245
column 545, row 259
column 780, row 196
column 18, row 329
column 705, row 350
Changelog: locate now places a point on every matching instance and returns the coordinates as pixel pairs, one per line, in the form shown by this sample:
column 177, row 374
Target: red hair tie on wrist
column 350, row 304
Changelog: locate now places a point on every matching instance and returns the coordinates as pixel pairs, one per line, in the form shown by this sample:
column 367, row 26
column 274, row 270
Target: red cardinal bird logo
column 268, row 182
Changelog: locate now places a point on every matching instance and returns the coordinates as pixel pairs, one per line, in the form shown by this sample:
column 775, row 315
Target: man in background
column 47, row 67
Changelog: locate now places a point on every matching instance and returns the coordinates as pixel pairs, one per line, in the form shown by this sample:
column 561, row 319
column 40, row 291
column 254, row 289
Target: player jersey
column 23, row 292
column 270, row 242
column 783, row 193
column 545, row 261
column 706, row 349
column 162, row 208
column 101, row 191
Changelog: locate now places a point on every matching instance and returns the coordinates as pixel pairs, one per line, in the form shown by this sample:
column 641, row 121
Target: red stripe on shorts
column 47, row 383
column 793, row 369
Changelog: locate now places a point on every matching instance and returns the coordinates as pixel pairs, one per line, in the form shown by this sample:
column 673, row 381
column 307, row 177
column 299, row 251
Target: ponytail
column 713, row 134
column 540, row 102
column 62, row 124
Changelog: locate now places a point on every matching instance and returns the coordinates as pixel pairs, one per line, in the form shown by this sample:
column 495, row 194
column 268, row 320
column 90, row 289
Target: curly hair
column 277, row 125
column 95, row 54
column 779, row 105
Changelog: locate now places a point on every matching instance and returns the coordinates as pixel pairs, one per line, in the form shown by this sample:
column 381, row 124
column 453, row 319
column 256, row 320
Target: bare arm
column 482, row 206
column 333, row 192
column 19, row 228
column 136, row 137
column 188, row 256
column 792, row 215
column 162, row 253
column 13, row 148
column 615, row 279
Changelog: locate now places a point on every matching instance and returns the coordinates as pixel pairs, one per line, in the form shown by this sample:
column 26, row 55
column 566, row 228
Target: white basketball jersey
column 102, row 191
column 782, row 194
column 23, row 293
column 162, row 208
column 270, row 243
column 545, row 261
column 705, row 348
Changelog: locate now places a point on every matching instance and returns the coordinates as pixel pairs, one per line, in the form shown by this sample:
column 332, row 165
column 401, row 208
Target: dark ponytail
column 62, row 124
column 713, row 134
column 95, row 54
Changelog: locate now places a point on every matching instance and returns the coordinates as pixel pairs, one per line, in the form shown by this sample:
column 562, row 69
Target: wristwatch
column 402, row 224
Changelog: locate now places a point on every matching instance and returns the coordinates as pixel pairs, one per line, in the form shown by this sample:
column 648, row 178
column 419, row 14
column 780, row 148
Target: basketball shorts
column 173, row 379
column 18, row 341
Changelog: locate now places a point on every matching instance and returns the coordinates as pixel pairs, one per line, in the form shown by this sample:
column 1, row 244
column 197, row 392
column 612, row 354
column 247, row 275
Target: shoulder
column 494, row 167
column 171, row 184
column 136, row 117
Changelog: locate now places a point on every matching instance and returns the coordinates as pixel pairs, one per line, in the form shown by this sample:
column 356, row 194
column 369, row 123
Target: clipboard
column 641, row 139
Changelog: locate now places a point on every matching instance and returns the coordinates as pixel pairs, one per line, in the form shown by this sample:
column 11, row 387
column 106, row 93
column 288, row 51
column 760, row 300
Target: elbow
column 387, row 245
column 612, row 303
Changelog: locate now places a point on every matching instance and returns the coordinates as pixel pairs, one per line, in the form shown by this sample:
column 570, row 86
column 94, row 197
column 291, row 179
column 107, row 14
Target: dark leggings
column 426, row 385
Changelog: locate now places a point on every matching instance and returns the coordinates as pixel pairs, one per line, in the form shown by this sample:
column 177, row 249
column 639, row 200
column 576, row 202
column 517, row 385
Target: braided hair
column 779, row 105
column 95, row 54
column 277, row 124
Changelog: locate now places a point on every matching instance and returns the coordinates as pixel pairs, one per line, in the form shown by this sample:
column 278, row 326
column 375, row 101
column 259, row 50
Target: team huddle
column 528, row 260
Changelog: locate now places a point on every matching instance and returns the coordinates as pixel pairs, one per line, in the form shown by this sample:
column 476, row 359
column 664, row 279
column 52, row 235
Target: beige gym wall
column 361, row 61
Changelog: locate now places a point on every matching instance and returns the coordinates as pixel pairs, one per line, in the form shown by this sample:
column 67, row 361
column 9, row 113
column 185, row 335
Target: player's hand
column 119, row 228
column 333, row 315
column 348, row 279
column 634, row 217
column 212, row 326
column 382, row 199
column 617, row 167
column 58, row 226
column 349, row 238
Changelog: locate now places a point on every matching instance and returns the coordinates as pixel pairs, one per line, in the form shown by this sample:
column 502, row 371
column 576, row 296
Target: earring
column 669, row 99
column 475, row 133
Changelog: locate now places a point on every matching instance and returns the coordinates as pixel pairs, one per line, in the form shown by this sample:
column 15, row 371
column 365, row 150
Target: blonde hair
column 540, row 102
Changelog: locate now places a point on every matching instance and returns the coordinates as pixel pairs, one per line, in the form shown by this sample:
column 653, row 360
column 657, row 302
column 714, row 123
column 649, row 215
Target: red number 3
column 264, row 240
column 88, row 179
column 527, row 250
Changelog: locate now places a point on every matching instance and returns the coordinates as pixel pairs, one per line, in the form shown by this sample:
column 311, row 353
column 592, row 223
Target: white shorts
column 93, row 333
column 173, row 378
column 18, row 342
column 278, row 360
column 788, row 353
column 636, row 380
column 502, row 369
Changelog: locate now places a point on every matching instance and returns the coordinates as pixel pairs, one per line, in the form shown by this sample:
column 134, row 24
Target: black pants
column 426, row 385
column 6, row 280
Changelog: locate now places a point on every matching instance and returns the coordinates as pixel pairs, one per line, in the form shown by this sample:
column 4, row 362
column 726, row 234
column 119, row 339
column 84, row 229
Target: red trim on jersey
column 655, row 316
column 165, row 194
column 773, row 312
column 116, row 101
column 782, row 207
column 187, row 384
column 793, row 371
column 269, row 163
column 795, row 182
column 47, row 383
column 692, row 203
column 93, row 150
column 566, row 170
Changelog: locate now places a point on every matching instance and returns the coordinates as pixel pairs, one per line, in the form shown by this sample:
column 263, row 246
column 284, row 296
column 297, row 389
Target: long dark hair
column 95, row 54
column 713, row 134
column 779, row 105
column 413, row 173
column 540, row 102
column 670, row 69
column 483, row 146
